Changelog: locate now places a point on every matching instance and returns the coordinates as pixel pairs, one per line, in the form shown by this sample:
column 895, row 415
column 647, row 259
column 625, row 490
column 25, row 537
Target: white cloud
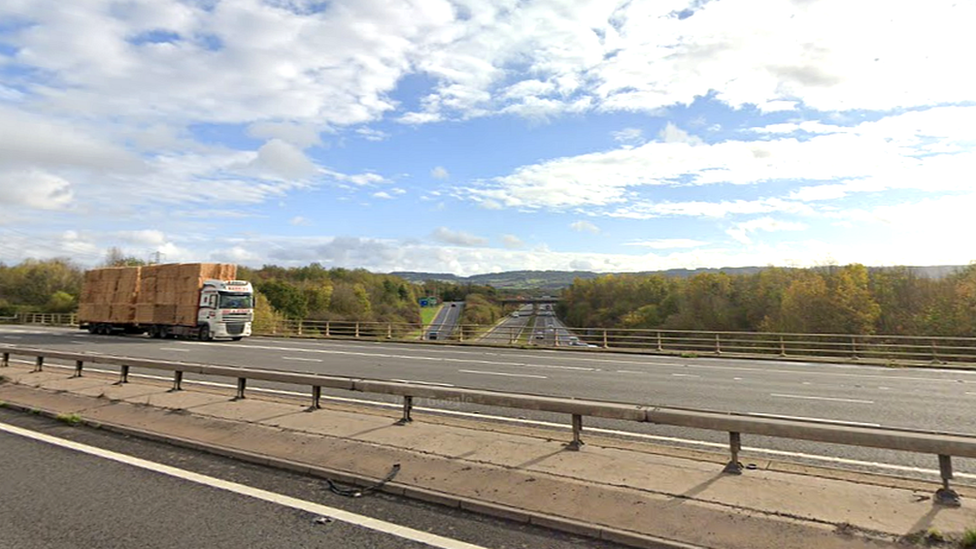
column 458, row 238
column 674, row 134
column 439, row 173
column 370, row 134
column 667, row 243
column 583, row 225
column 145, row 237
column 512, row 242
column 383, row 195
column 628, row 135
column 284, row 160
column 301, row 136
column 741, row 231
column 34, row 189
column 299, row 221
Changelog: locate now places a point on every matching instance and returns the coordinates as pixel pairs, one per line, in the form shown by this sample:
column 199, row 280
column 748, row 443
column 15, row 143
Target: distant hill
column 556, row 280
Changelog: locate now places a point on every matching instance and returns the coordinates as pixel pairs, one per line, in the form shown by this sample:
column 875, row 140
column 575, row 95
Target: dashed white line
column 11, row 337
column 831, row 399
column 370, row 523
column 174, row 349
column 301, row 359
column 531, row 376
column 684, row 375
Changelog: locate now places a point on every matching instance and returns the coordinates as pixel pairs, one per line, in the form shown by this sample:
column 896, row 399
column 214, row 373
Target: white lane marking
column 244, row 490
column 532, row 376
column 807, row 383
column 737, row 379
column 174, row 349
column 815, row 419
column 301, row 359
column 629, row 434
column 393, row 356
column 831, row 399
column 11, row 337
column 434, row 383
column 684, row 375
column 631, row 372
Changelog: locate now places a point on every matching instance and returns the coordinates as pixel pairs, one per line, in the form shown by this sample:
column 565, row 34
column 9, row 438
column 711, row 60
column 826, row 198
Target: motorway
column 509, row 329
column 446, row 321
column 82, row 488
column 928, row 399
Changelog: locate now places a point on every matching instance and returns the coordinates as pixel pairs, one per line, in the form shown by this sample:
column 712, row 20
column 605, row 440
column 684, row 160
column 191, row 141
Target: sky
column 471, row 137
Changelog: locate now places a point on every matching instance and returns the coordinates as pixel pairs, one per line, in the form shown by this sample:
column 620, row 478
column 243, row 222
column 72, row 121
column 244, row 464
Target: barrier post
column 177, row 380
column 577, row 443
column 946, row 495
column 734, row 467
column 38, row 364
column 241, row 384
column 316, row 397
column 79, row 364
column 407, row 408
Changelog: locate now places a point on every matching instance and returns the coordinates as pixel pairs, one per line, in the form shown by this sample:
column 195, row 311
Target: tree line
column 311, row 292
column 851, row 299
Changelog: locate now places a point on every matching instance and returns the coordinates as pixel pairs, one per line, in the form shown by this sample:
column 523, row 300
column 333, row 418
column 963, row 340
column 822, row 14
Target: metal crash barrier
column 943, row 445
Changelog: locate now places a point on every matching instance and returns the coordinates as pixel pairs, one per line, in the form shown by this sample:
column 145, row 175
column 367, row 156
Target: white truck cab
column 226, row 309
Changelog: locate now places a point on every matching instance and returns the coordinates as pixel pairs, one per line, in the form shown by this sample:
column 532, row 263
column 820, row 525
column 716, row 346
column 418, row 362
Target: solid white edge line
column 816, row 419
column 549, row 424
column 241, row 489
column 830, row 399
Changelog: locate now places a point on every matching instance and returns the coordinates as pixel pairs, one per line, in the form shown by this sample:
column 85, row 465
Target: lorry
column 191, row 300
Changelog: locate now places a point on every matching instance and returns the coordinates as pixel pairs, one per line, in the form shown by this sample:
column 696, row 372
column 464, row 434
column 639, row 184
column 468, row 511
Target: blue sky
column 472, row 137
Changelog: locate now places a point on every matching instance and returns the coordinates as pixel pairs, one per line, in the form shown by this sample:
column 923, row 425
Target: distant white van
column 515, row 314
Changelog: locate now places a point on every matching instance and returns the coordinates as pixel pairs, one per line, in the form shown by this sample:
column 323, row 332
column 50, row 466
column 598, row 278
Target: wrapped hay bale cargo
column 199, row 300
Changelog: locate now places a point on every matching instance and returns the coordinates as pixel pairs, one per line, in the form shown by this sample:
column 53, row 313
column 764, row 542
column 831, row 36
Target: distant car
column 432, row 336
column 515, row 314
column 453, row 304
column 540, row 336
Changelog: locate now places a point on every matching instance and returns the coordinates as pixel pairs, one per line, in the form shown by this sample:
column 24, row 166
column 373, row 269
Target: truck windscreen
column 235, row 301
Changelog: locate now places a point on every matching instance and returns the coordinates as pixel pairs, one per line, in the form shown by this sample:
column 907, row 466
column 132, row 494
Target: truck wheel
column 91, row 329
column 205, row 333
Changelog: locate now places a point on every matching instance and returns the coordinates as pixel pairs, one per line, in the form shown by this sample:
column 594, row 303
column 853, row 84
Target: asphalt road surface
column 136, row 493
column 919, row 398
column 446, row 321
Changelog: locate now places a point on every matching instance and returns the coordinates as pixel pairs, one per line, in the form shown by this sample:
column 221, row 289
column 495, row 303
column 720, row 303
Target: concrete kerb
column 623, row 537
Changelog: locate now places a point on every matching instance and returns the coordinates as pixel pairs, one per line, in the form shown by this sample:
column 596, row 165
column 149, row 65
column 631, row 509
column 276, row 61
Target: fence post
column 357, row 330
column 79, row 364
column 301, row 325
column 123, row 374
column 946, row 495
column 38, row 364
column 782, row 347
column 718, row 345
column 327, row 327
column 5, row 362
column 577, row 429
column 177, row 380
column 605, row 344
column 660, row 342
column 461, row 333
column 734, row 467
column 407, row 408
column 853, row 348
column 389, row 330
column 316, row 397
column 935, row 353
column 241, row 385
